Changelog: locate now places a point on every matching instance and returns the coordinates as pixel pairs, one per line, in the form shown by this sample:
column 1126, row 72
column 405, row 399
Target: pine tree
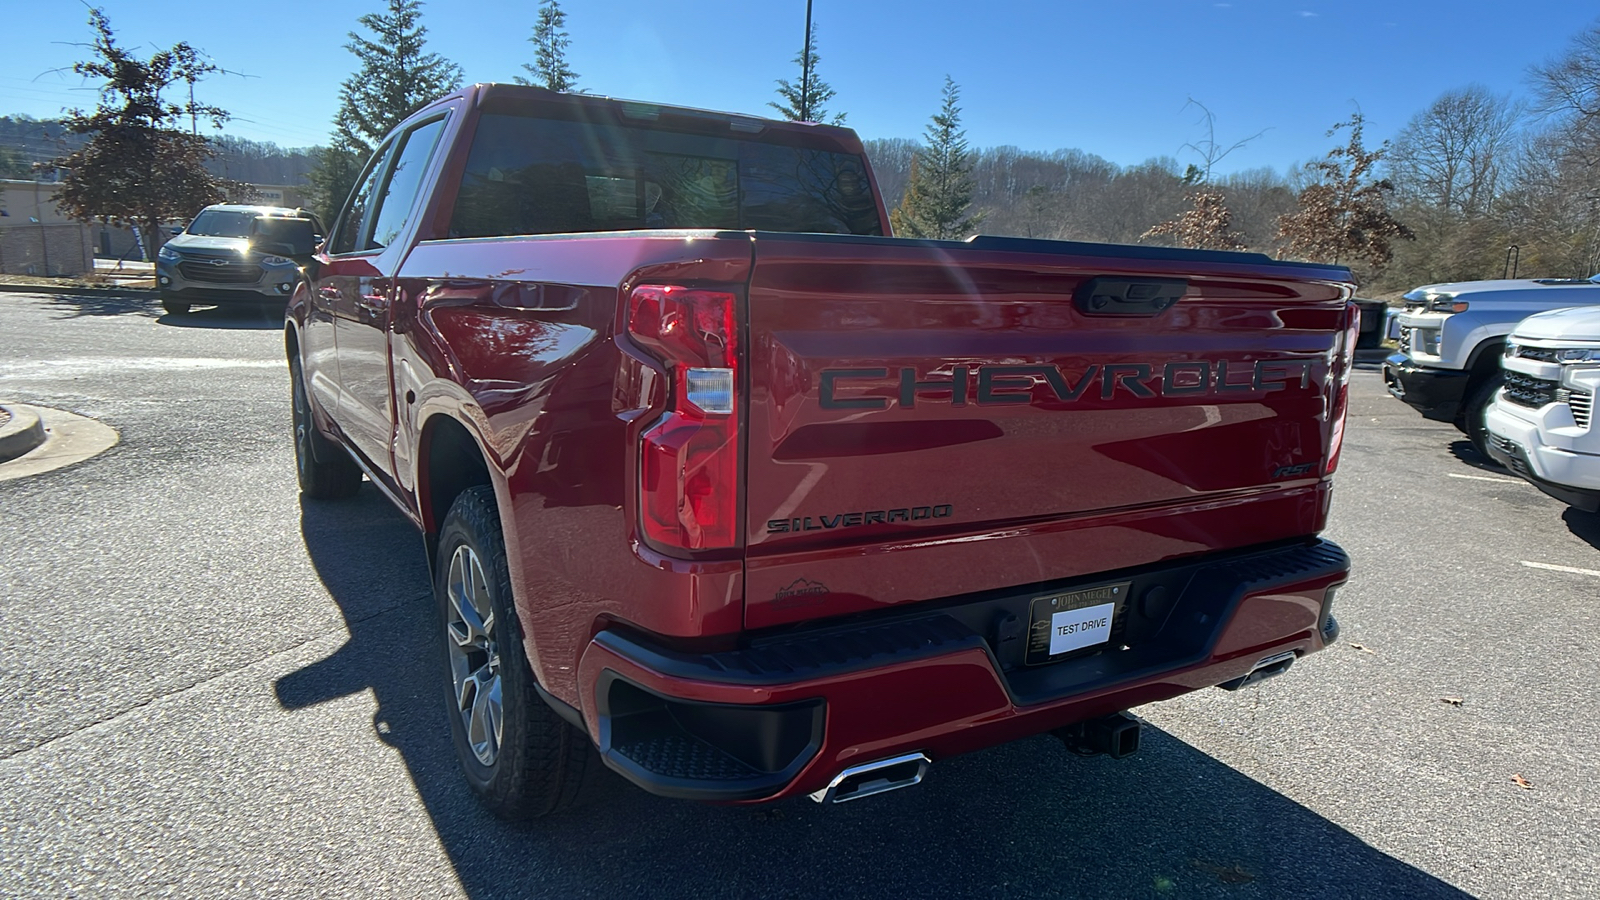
column 395, row 79
column 334, row 172
column 939, row 194
column 550, row 42
column 802, row 100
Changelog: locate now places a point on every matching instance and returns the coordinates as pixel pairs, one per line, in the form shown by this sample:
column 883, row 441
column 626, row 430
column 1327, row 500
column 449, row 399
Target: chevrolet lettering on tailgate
column 993, row 385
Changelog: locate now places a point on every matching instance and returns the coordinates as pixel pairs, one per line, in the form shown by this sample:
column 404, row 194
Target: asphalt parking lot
column 209, row 688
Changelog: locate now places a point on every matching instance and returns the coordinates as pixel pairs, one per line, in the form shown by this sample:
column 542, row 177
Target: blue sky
column 1110, row 78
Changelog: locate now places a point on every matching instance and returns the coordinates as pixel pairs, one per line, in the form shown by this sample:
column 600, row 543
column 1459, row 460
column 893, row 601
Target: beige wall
column 21, row 201
column 60, row 249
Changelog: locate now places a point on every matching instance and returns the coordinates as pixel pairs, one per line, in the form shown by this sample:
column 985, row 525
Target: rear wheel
column 521, row 758
column 325, row 472
column 1473, row 415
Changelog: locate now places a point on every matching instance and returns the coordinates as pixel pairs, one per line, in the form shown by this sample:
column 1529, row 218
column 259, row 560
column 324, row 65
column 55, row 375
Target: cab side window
column 355, row 217
column 404, row 182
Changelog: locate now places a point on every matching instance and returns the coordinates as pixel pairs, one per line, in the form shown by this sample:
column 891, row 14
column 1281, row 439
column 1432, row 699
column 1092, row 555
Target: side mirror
column 175, row 230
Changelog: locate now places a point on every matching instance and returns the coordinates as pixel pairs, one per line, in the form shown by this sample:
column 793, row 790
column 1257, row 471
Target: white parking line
column 1487, row 478
column 1573, row 569
column 100, row 365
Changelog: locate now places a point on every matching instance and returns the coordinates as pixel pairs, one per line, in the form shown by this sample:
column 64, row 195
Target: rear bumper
column 1436, row 393
column 787, row 713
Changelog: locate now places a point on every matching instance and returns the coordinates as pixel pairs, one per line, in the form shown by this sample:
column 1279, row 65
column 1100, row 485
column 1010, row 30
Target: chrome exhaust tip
column 1277, row 664
column 871, row 778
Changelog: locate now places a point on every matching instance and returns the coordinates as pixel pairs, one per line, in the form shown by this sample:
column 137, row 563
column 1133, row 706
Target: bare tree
column 1558, row 192
column 1453, row 155
column 1210, row 150
column 1570, row 86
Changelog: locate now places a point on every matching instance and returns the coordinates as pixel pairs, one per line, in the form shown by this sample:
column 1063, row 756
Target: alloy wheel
column 474, row 655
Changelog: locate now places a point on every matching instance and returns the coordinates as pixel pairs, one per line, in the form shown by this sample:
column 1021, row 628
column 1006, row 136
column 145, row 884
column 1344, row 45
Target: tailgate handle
column 1129, row 297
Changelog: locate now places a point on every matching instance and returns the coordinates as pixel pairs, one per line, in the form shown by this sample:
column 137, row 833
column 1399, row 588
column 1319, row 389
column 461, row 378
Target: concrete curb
column 69, row 439
column 121, row 293
column 21, row 434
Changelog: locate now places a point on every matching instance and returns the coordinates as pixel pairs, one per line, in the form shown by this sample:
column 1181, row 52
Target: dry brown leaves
column 1234, row 874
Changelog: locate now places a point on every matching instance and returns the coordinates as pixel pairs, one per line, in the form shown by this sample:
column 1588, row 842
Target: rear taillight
column 689, row 459
column 1344, row 360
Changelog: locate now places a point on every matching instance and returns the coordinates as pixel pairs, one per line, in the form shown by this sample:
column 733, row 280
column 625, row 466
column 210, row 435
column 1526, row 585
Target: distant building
column 36, row 238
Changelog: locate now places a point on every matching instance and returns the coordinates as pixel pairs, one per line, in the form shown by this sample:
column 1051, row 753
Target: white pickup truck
column 1539, row 422
column 1452, row 337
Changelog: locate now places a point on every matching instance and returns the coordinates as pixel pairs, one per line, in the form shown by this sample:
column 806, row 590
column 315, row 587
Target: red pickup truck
column 726, row 487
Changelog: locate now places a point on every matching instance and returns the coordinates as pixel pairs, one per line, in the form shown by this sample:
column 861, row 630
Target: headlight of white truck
column 1578, row 355
column 1427, row 340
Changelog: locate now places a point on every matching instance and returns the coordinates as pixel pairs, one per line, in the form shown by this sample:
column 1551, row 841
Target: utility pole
column 805, row 70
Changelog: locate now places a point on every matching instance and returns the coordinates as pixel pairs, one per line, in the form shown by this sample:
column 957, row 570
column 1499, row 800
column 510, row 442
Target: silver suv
column 235, row 254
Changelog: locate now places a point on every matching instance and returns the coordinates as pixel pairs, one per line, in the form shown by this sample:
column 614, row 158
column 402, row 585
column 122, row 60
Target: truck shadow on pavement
column 1584, row 525
column 1463, row 451
column 1027, row 818
column 238, row 318
column 78, row 306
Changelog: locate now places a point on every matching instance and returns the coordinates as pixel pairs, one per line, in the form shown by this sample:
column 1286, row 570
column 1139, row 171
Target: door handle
column 328, row 292
column 372, row 303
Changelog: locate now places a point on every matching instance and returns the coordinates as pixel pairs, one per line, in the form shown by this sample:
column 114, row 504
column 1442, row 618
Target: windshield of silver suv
column 221, row 223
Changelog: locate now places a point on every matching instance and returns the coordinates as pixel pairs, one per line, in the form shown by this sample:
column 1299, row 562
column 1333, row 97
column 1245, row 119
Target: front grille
column 1525, row 390
column 1405, row 339
column 1582, row 403
column 1541, row 354
column 229, row 272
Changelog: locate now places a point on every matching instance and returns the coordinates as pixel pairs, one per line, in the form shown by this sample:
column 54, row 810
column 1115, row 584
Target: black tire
column 325, row 472
column 176, row 307
column 1472, row 416
column 540, row 762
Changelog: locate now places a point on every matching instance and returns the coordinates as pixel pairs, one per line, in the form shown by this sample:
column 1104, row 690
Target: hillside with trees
column 1478, row 171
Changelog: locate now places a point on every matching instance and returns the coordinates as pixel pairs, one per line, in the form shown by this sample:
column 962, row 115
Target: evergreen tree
column 139, row 165
column 939, row 194
column 395, row 79
column 333, row 174
column 802, row 100
column 550, row 42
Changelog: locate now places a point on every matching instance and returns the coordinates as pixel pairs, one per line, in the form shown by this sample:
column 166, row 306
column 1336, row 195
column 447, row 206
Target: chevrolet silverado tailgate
column 928, row 419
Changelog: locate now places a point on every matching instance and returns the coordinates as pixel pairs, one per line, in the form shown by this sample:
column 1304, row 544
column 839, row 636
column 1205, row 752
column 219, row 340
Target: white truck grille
column 1582, row 403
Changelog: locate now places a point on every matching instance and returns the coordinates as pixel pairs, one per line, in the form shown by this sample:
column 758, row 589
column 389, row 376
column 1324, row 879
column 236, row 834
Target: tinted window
column 544, row 176
column 222, row 223
column 355, row 213
column 284, row 235
column 404, row 182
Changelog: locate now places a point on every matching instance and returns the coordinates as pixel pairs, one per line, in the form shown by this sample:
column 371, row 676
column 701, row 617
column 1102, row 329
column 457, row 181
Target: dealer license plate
column 1075, row 622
